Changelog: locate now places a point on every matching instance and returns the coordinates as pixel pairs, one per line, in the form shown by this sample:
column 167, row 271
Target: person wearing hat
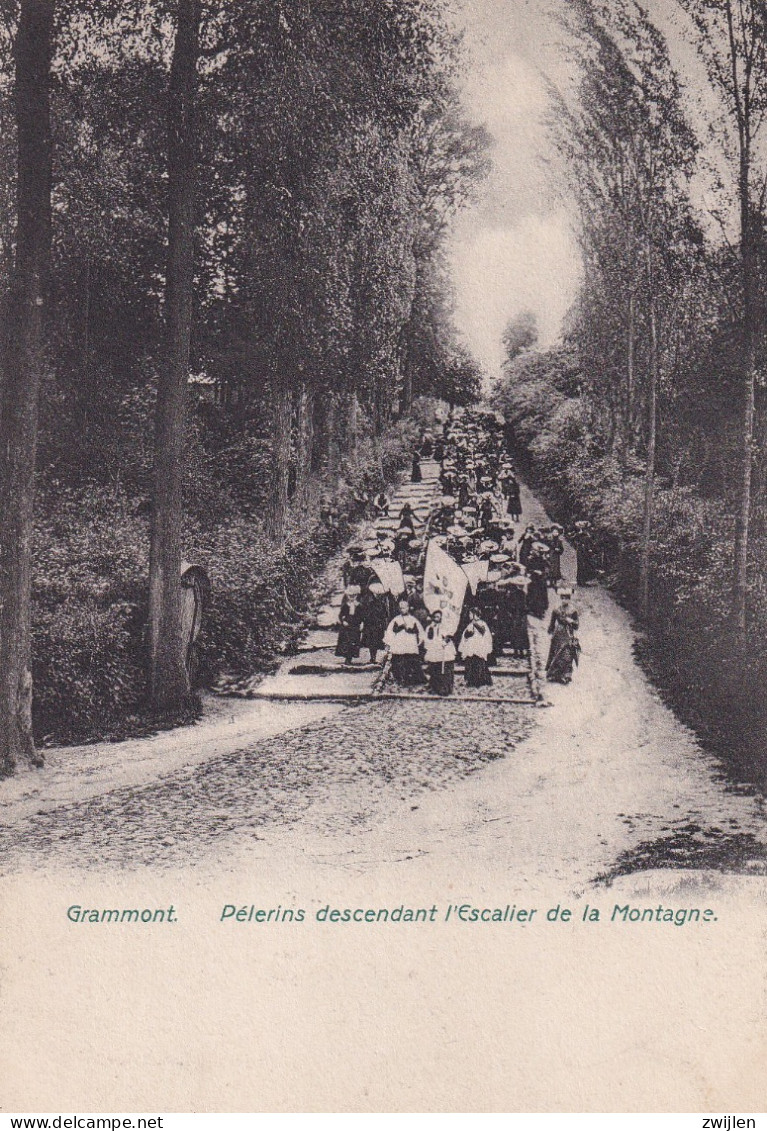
column 415, row 597
column 403, row 640
column 525, row 544
column 402, row 541
column 375, row 610
column 494, row 602
column 488, row 605
column 412, row 556
column 439, row 654
column 349, row 625
column 496, row 529
column 511, row 491
column 513, row 595
column 415, row 474
column 406, row 521
column 584, row 552
column 565, row 647
column 556, row 550
column 486, row 510
column 537, row 571
column 356, row 570
column 508, row 542
column 476, row 647
column 381, row 505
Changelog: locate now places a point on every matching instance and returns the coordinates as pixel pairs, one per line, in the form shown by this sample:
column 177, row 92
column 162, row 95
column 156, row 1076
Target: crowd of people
column 508, row 576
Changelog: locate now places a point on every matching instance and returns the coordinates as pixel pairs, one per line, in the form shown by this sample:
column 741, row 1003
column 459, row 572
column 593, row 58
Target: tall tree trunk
column 406, row 371
column 277, row 503
column 628, row 422
column 743, row 515
column 759, row 481
column 353, row 426
column 332, row 454
column 383, row 401
column 169, row 681
column 652, row 428
column 305, row 440
column 86, row 392
column 376, row 410
column 22, row 377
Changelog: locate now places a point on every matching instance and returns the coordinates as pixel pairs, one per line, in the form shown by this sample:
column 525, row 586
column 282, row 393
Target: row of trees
column 669, row 323
column 250, row 192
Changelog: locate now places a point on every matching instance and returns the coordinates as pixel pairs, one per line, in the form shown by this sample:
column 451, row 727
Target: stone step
column 340, row 668
column 376, row 697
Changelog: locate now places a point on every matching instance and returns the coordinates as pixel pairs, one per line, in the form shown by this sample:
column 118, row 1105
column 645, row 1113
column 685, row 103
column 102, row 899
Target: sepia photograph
column 383, row 556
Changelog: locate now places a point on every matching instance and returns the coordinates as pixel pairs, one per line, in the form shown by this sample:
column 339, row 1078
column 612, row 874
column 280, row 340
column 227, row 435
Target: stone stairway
column 315, row 672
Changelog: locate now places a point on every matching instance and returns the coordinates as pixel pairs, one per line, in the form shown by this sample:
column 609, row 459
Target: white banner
column 390, row 576
column 444, row 587
column 476, row 572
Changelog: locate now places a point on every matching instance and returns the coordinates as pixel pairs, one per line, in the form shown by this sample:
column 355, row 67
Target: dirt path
column 608, row 782
column 380, row 805
column 605, row 780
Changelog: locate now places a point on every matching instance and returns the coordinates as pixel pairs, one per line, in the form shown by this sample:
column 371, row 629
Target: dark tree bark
column 382, row 406
column 353, row 426
column 750, row 305
column 277, row 503
column 406, row 370
column 652, row 432
column 305, row 447
column 169, row 682
column 332, row 454
column 23, row 369
column 627, row 430
column 745, row 81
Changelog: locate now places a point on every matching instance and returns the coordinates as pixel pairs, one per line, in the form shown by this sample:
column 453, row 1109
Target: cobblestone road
column 602, row 782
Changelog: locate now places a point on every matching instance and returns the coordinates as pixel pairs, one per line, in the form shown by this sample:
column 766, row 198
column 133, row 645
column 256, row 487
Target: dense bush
column 687, row 642
column 91, row 570
column 258, row 595
column 89, row 602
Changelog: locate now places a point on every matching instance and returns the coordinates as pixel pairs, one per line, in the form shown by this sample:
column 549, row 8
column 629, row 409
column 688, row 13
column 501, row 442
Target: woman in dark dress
column 565, row 647
column 486, row 510
column 375, row 617
column 556, row 550
column 349, row 625
column 513, row 499
column 584, row 551
column 407, row 519
column 526, row 544
column 356, row 571
column 538, row 591
column 416, row 476
column 514, row 595
column 488, row 607
column 402, row 540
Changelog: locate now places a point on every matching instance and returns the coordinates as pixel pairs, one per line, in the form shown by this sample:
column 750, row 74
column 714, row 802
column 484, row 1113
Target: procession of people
column 456, row 580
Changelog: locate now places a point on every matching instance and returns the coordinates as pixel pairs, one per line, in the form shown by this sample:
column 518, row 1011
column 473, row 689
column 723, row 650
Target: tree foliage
column 330, row 156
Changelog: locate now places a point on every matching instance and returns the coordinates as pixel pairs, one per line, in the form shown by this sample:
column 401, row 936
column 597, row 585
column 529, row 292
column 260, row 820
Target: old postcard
column 383, row 511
